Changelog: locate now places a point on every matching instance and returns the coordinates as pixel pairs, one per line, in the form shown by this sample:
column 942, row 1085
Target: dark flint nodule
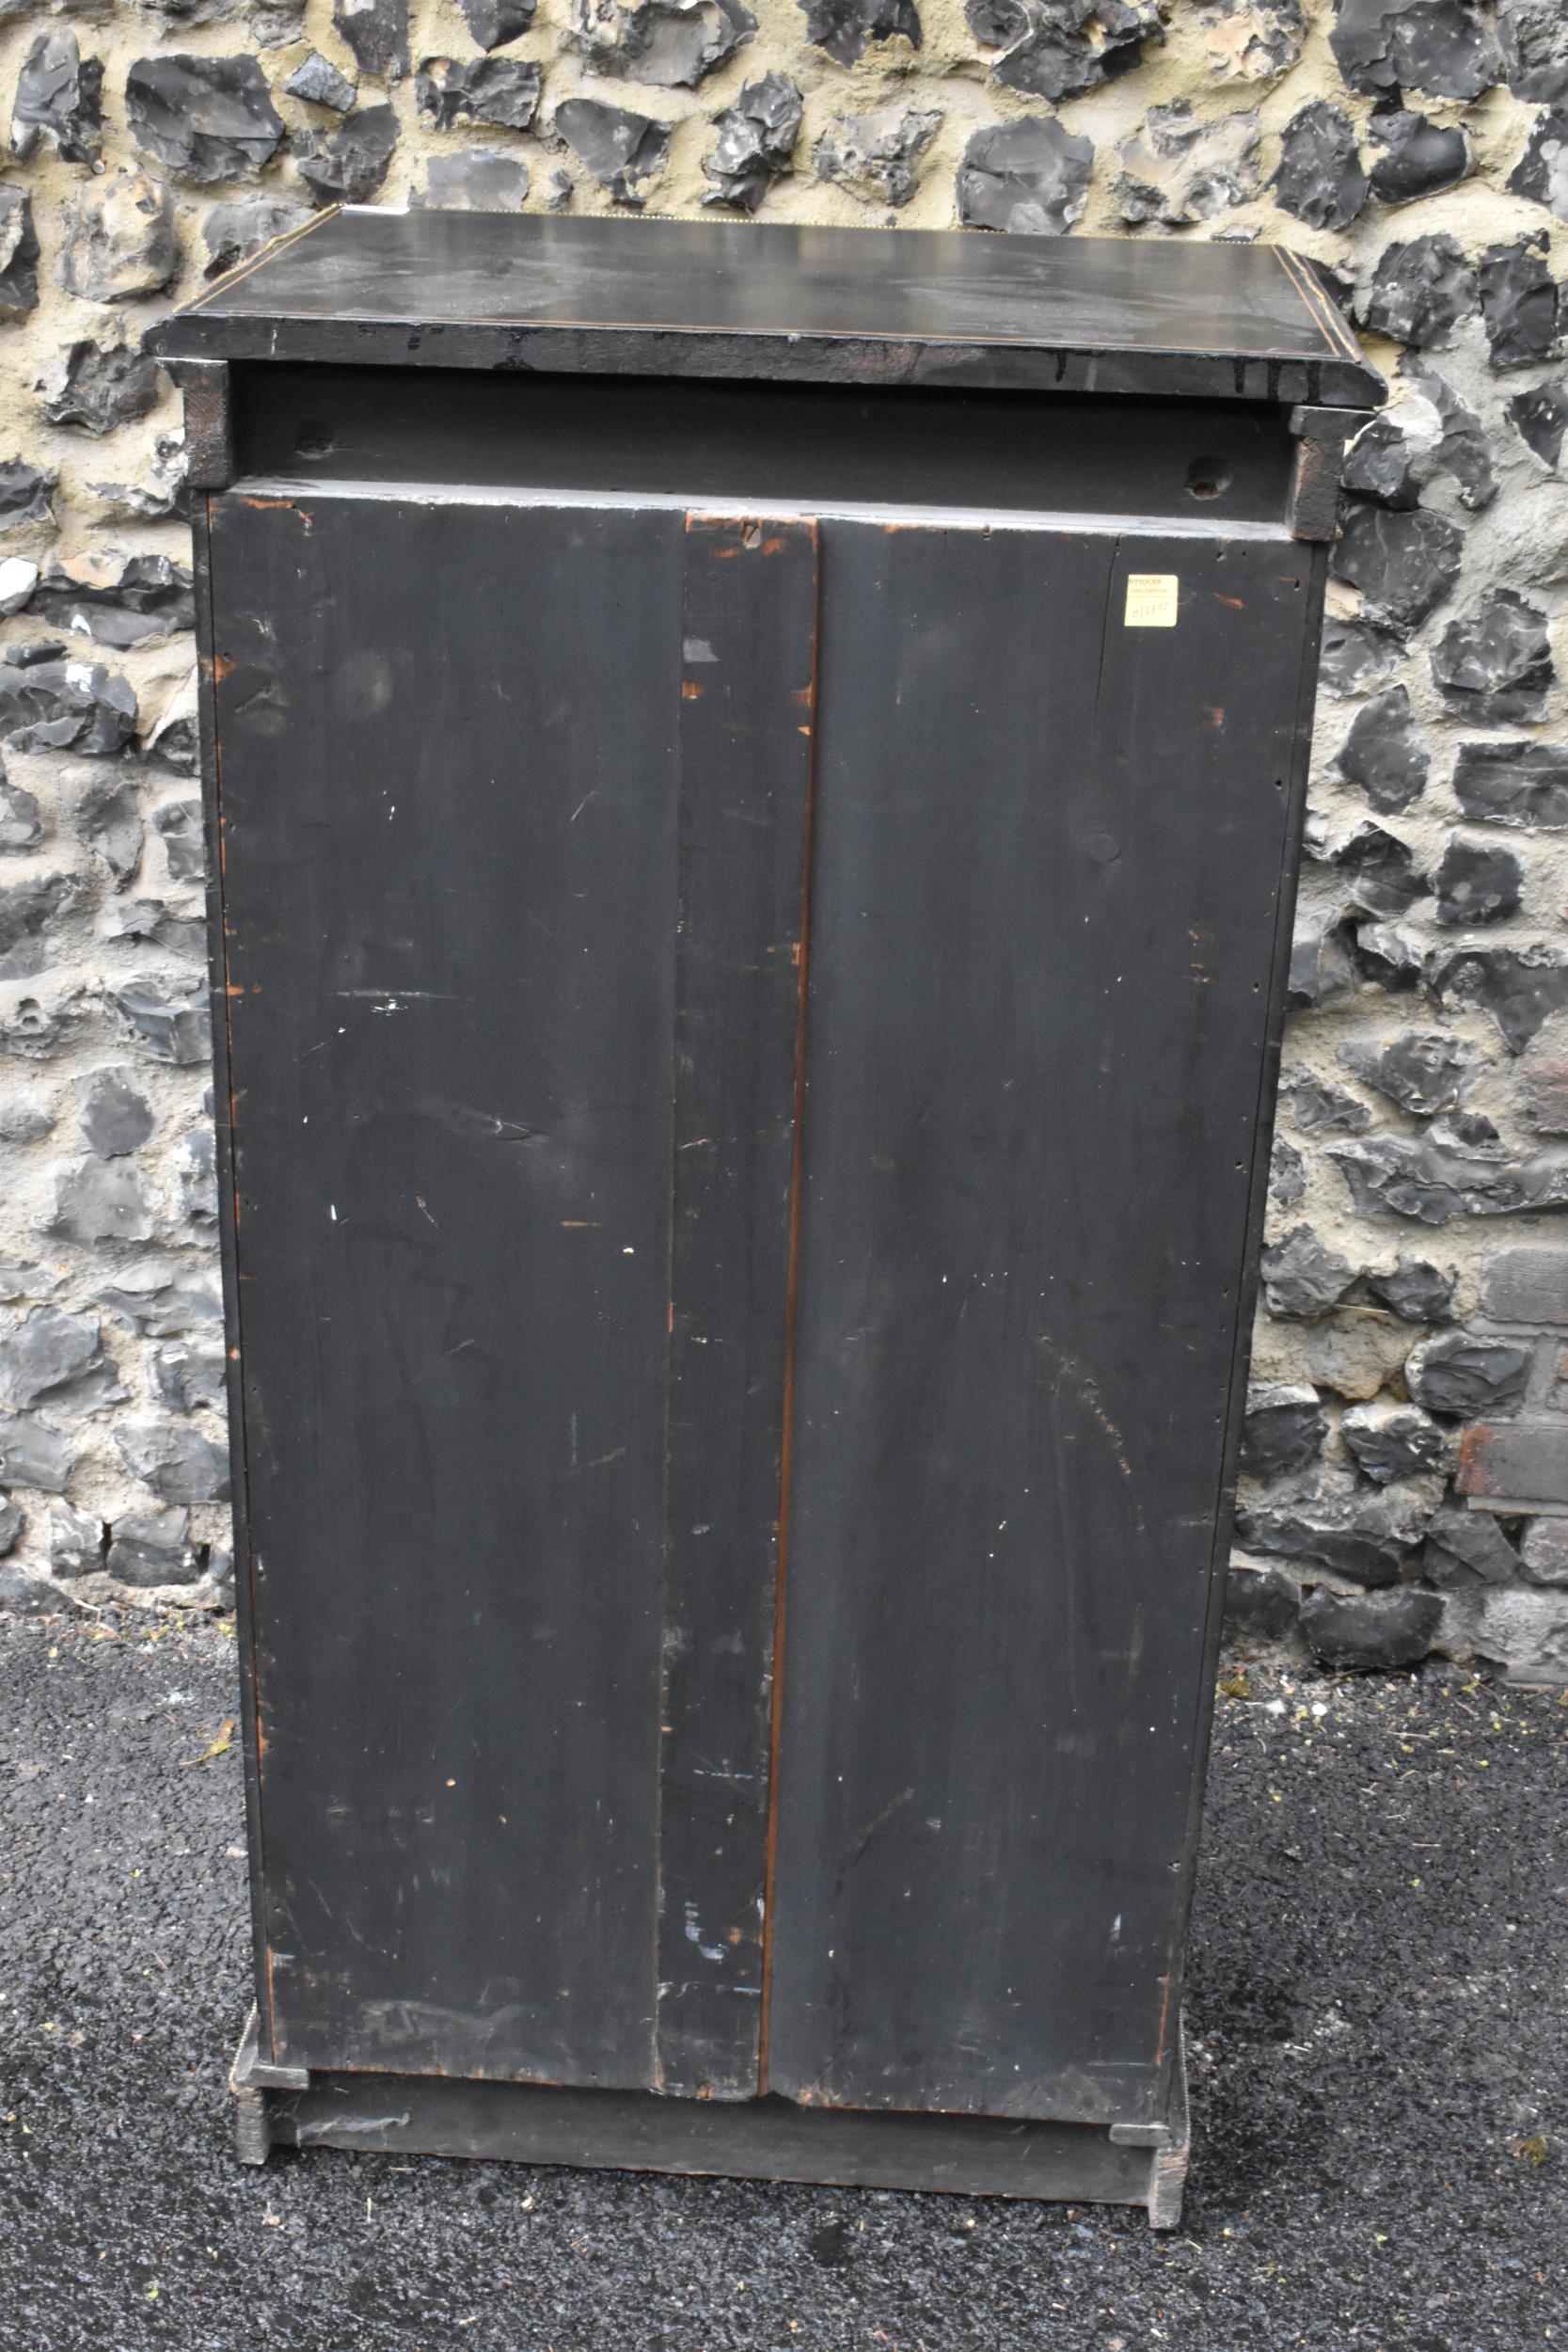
column 1385, row 755
column 1321, row 179
column 1031, row 177
column 846, row 28
column 206, row 118
column 1418, row 157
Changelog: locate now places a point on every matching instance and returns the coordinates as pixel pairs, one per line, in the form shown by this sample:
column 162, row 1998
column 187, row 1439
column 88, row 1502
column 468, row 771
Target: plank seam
column 781, row 1556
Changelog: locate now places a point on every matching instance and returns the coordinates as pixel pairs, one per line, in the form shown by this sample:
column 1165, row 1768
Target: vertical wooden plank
column 1049, row 850
column 218, row 968
column 447, row 735
column 1306, row 577
column 748, row 608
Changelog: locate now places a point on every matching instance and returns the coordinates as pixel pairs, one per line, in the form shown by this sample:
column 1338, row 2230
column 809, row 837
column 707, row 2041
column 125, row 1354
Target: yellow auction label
column 1150, row 600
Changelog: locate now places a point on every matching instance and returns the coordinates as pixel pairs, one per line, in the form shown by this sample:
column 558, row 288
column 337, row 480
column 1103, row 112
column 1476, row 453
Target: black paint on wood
column 541, row 1171
column 1049, row 857
column 1201, row 463
column 656, row 297
column 448, row 809
column 217, row 973
column 749, row 628
column 1322, row 434
column 765, row 2140
column 208, row 388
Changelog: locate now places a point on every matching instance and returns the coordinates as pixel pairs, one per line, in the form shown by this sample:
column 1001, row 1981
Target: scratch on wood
column 858, row 1845
column 1165, row 1983
column 1087, row 1390
column 800, row 955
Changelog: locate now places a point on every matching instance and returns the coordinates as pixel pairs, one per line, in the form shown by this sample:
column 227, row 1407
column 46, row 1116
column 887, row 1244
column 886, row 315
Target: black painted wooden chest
column 755, row 778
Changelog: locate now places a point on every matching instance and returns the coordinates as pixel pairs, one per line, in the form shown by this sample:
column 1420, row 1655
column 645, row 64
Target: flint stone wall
column 1406, row 1467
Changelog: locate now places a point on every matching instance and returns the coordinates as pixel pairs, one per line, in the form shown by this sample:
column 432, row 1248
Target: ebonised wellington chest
column 754, row 780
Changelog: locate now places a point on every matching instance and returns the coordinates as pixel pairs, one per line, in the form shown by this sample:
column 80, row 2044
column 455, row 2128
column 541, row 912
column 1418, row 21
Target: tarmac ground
column 1378, row 2042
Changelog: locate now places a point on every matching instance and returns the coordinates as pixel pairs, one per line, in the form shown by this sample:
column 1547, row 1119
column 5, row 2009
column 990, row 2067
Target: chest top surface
column 1160, row 317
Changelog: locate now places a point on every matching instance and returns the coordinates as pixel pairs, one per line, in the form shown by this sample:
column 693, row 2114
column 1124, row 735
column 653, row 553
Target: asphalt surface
column 1378, row 2009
